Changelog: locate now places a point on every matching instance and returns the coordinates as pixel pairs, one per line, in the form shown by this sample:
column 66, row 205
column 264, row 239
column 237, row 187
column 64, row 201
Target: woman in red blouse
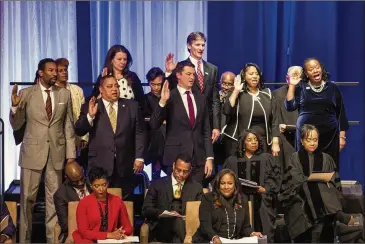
column 101, row 215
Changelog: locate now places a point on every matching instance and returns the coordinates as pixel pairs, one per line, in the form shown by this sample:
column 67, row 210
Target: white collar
column 106, row 103
column 195, row 61
column 174, row 181
column 43, row 88
column 182, row 90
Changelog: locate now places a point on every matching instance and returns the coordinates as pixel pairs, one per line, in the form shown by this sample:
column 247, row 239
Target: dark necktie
column 191, row 109
column 200, row 76
column 48, row 105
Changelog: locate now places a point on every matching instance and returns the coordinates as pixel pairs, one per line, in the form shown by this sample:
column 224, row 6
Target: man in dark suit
column 171, row 194
column 116, row 135
column 7, row 234
column 73, row 189
column 156, row 138
column 206, row 78
column 287, row 124
column 187, row 124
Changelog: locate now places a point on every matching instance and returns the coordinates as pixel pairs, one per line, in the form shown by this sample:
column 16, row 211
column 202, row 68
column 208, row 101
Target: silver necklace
column 234, row 226
column 317, row 88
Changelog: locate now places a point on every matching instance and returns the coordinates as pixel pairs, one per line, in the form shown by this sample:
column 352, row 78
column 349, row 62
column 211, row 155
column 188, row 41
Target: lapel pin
column 123, row 105
column 206, row 73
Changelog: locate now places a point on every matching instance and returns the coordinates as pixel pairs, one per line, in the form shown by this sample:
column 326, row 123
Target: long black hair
column 325, row 73
column 260, row 85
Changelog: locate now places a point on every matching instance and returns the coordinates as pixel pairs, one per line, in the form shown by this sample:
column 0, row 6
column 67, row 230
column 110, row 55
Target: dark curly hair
column 97, row 173
column 306, row 130
column 325, row 73
column 241, row 143
column 260, row 85
column 217, row 195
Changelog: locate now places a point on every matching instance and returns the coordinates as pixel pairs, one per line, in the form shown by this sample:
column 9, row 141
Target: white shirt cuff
column 161, row 105
column 167, row 74
column 140, row 159
column 90, row 119
column 210, row 158
column 13, row 109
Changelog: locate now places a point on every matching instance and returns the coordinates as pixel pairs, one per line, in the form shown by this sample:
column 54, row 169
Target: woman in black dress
column 224, row 211
column 249, row 107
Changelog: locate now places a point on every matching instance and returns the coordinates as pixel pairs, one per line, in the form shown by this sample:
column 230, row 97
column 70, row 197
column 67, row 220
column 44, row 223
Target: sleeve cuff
column 210, row 158
column 140, row 159
column 90, row 119
column 161, row 105
column 213, row 238
column 167, row 74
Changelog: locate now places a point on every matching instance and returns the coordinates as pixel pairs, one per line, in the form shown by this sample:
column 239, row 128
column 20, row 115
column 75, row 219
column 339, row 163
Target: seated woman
column 311, row 207
column 101, row 215
column 224, row 211
column 252, row 164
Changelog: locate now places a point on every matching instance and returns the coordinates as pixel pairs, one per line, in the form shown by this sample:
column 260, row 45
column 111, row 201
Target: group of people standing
column 182, row 126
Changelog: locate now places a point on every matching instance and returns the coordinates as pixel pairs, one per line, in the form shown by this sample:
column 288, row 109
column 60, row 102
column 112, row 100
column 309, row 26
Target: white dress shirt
column 78, row 191
column 195, row 62
column 175, row 183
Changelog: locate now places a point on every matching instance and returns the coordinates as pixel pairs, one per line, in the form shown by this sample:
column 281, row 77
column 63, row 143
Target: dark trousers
column 126, row 183
column 320, row 233
column 169, row 230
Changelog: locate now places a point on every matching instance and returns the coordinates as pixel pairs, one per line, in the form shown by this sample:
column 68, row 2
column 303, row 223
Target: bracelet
column 343, row 137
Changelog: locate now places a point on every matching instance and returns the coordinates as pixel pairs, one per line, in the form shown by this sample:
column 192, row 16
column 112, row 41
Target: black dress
column 264, row 170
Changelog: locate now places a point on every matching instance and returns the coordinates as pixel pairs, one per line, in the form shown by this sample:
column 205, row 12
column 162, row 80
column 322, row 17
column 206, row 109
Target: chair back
column 12, row 206
column 130, row 210
column 115, row 191
column 192, row 219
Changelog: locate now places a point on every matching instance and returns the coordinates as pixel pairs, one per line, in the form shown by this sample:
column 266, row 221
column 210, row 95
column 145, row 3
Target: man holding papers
column 164, row 206
column 8, row 229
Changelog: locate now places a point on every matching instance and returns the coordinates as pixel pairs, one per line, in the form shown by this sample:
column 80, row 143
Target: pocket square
column 61, row 103
column 206, row 73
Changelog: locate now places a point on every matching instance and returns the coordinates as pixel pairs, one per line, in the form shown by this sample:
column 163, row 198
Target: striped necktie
column 48, row 104
column 112, row 116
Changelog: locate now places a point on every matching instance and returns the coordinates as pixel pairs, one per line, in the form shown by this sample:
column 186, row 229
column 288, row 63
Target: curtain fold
column 31, row 31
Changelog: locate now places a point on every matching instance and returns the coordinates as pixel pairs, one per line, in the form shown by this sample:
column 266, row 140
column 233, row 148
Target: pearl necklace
column 317, row 88
column 234, row 226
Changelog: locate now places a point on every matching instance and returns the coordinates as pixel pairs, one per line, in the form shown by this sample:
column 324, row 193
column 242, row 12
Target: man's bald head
column 75, row 174
column 227, row 81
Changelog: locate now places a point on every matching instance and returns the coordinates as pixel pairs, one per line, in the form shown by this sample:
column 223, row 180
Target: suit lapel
column 206, row 75
column 122, row 115
column 185, row 195
column 40, row 101
column 198, row 107
column 180, row 105
column 104, row 115
column 56, row 98
column 169, row 189
column 72, row 194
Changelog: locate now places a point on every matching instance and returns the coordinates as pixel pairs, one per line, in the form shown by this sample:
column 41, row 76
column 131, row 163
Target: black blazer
column 241, row 119
column 127, row 144
column 61, row 198
column 211, row 220
column 160, row 195
column 210, row 91
column 180, row 137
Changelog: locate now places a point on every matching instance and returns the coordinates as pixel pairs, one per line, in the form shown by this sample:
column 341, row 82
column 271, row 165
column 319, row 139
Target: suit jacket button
column 47, row 140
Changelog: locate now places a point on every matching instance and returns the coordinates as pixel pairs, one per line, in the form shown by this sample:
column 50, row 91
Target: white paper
column 167, row 214
column 127, row 239
column 4, row 223
column 252, row 239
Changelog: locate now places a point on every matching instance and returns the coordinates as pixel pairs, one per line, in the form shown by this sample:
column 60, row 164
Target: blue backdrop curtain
column 276, row 35
column 31, row 31
column 148, row 29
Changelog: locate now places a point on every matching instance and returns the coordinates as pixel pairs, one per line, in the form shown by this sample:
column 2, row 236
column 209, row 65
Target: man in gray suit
column 48, row 140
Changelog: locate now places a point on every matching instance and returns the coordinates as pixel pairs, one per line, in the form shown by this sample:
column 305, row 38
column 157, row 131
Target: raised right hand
column 15, row 98
column 238, row 85
column 294, row 74
column 104, row 72
column 169, row 63
column 165, row 93
column 93, row 107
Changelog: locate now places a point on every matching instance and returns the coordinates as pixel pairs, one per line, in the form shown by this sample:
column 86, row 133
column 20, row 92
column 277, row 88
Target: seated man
column 73, row 189
column 171, row 193
column 7, row 234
